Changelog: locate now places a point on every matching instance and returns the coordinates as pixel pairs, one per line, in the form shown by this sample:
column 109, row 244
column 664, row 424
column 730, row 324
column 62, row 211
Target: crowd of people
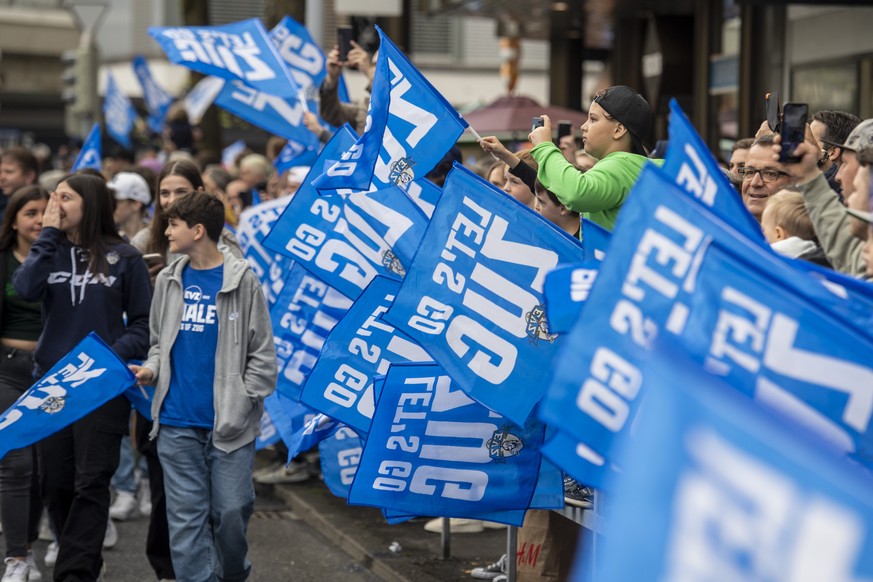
column 114, row 252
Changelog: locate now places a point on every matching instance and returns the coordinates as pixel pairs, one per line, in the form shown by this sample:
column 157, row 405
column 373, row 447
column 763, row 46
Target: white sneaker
column 111, row 537
column 124, row 507
column 456, row 525
column 35, row 575
column 51, row 555
column 491, row 571
column 145, row 498
column 45, row 531
column 295, row 472
column 16, row 570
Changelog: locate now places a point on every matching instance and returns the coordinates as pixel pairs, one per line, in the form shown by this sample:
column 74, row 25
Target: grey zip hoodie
column 245, row 356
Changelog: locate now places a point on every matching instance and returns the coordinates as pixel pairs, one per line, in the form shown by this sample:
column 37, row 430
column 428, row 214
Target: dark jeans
column 20, row 502
column 158, row 537
column 78, row 462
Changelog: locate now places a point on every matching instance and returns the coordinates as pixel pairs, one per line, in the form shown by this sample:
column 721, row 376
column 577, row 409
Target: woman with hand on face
column 88, row 280
column 20, row 327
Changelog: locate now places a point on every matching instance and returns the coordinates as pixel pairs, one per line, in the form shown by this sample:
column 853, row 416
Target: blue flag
column 566, row 290
column 305, row 59
column 200, row 97
column 332, row 239
column 595, row 239
column 157, row 100
column 287, row 417
column 715, row 488
column 474, row 293
column 82, row 381
column 695, row 170
column 295, row 154
column 340, row 455
column 773, row 332
column 118, row 112
column 432, row 450
column 282, row 116
column 302, row 316
column 410, row 127
column 269, row 434
column 361, row 346
column 255, row 224
column 91, row 154
column 314, row 430
column 240, row 51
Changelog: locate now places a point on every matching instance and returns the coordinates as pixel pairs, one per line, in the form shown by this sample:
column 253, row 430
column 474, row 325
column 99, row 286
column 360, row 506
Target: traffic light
column 79, row 79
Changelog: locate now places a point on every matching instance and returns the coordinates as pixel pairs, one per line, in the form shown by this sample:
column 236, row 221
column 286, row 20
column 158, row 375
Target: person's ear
column 564, row 210
column 835, row 153
column 781, row 234
column 199, row 231
column 619, row 132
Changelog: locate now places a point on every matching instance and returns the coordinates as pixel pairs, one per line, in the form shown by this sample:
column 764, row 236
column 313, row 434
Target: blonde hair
column 789, row 212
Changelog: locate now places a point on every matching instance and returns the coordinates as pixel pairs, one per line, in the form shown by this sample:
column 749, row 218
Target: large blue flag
column 82, row 381
column 302, row 316
column 340, row 456
column 715, row 488
column 254, row 225
column 695, row 170
column 305, row 59
column 474, row 293
column 91, row 154
column 432, row 450
column 410, row 127
column 282, row 116
column 595, row 239
column 771, row 331
column 331, row 237
column 240, row 51
column 361, row 346
column 118, row 112
column 157, row 100
column 566, row 290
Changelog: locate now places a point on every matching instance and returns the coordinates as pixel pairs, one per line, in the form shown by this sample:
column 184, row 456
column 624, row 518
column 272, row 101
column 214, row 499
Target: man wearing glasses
column 762, row 177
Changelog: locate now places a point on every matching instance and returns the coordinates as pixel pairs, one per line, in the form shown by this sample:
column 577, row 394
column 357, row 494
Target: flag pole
column 479, row 139
column 303, row 100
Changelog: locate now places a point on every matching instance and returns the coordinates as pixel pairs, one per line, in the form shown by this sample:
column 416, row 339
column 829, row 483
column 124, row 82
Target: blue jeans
column 125, row 477
column 210, row 498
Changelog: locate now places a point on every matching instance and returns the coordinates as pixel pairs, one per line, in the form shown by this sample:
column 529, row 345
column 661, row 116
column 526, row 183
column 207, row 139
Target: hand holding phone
column 793, row 130
column 536, row 122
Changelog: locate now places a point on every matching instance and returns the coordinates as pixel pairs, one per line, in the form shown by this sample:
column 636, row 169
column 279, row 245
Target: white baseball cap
column 130, row 186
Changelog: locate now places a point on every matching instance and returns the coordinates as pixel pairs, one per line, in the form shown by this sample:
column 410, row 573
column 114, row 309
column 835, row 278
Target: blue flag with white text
column 432, row 450
column 157, row 99
column 91, row 154
column 331, row 237
column 295, row 154
column 340, row 455
column 303, row 315
column 474, row 293
column 239, row 51
column 695, row 170
column 118, row 112
column 740, row 494
column 774, row 333
column 254, row 225
column 287, row 416
column 282, row 116
column 358, row 348
column 410, row 127
column 82, row 381
column 305, row 59
column 566, row 290
column 314, row 430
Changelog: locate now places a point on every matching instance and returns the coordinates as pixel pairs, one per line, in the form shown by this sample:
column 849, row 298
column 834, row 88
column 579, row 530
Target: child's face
column 181, row 236
column 171, row 187
column 548, row 209
column 71, row 208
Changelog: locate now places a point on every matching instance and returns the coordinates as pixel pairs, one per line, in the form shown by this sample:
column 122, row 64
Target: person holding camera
column 619, row 120
column 331, row 109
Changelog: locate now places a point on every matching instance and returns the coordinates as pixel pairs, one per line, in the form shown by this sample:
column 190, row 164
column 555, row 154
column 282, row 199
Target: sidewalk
column 363, row 533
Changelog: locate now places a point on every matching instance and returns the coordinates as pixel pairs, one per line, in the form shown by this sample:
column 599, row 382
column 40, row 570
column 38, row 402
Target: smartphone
column 793, row 132
column 536, row 122
column 152, row 259
column 774, row 111
column 344, row 40
column 564, row 128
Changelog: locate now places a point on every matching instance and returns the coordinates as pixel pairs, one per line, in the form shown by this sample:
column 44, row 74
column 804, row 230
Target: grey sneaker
column 111, row 537
column 16, row 570
column 491, row 571
column 294, row 472
column 51, row 554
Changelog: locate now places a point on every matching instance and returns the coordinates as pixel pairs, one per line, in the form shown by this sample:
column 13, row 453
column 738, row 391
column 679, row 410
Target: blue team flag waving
column 82, row 381
column 595, row 239
column 157, row 100
column 566, row 290
column 240, row 51
column 118, row 112
column 340, row 456
column 295, row 154
column 432, row 450
column 282, row 116
column 474, row 293
column 715, row 488
column 305, row 59
column 697, row 172
column 91, row 154
column 410, row 127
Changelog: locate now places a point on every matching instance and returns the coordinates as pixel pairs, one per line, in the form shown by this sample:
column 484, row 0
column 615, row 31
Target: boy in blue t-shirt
column 213, row 362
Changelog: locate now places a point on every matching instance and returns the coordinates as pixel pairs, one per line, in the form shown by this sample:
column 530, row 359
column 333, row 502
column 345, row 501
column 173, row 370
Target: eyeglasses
column 768, row 176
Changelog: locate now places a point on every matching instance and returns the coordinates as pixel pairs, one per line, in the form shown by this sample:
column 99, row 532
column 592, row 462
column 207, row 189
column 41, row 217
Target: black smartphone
column 536, row 122
column 564, row 128
column 773, row 108
column 344, row 41
column 793, row 132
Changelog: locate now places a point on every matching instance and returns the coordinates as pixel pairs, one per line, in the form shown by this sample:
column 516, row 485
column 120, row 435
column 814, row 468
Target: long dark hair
column 97, row 230
column 158, row 242
column 18, row 200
